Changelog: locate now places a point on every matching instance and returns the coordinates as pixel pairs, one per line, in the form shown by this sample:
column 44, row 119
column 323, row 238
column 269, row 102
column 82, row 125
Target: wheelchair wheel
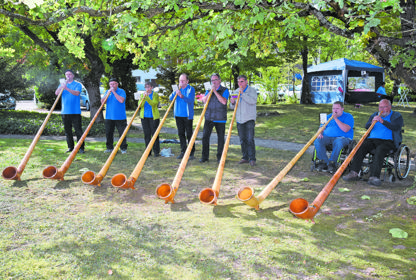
column 402, row 161
column 392, row 178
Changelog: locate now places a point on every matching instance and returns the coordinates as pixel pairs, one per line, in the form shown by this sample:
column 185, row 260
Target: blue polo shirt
column 381, row 90
column 116, row 110
column 148, row 108
column 380, row 131
column 333, row 130
column 71, row 104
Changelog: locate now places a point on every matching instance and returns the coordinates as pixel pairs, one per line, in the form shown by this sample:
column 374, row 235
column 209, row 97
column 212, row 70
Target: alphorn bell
column 13, row 173
column 51, row 172
column 246, row 194
column 210, row 195
column 166, row 191
column 120, row 180
column 89, row 177
column 300, row 207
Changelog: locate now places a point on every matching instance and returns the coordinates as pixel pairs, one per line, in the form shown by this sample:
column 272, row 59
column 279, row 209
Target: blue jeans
column 246, row 133
column 337, row 144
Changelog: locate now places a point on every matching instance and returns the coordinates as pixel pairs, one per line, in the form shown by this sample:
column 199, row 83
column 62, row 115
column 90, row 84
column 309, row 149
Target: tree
column 202, row 29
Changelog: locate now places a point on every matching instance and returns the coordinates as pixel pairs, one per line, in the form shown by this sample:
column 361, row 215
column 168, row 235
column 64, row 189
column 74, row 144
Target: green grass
column 68, row 230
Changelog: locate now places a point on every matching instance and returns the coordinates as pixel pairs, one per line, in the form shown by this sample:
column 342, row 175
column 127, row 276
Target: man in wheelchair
column 339, row 132
column 384, row 137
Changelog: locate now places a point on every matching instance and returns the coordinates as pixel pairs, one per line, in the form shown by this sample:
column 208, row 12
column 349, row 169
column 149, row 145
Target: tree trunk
column 305, row 97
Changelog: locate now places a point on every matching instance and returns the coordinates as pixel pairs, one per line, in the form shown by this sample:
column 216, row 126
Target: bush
column 28, row 123
column 45, row 90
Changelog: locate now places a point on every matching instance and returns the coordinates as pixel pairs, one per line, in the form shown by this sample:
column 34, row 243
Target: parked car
column 7, row 102
column 85, row 99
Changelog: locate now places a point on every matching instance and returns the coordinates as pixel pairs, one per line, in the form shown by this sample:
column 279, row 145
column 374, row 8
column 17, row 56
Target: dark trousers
column 72, row 120
column 149, row 127
column 109, row 133
column 382, row 148
column 184, row 126
column 220, row 129
column 246, row 133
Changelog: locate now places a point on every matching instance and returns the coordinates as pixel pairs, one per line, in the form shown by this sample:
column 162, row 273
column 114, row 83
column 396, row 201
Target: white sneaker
column 108, row 151
column 123, row 151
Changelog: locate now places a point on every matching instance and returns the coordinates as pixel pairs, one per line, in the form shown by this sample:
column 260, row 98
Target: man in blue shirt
column 215, row 116
column 115, row 116
column 381, row 93
column 385, row 136
column 71, row 109
column 184, row 113
column 339, row 132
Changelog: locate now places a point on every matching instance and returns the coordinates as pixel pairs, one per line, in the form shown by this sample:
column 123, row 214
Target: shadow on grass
column 62, row 185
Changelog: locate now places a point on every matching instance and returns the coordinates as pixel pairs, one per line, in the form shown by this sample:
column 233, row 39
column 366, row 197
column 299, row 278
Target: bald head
column 384, row 107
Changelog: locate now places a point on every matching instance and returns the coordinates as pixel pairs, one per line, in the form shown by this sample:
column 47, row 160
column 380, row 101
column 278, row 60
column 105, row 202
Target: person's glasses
column 214, row 80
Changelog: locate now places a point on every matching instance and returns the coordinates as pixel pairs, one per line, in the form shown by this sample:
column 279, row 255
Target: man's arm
column 119, row 96
column 395, row 124
column 189, row 97
column 250, row 96
column 344, row 126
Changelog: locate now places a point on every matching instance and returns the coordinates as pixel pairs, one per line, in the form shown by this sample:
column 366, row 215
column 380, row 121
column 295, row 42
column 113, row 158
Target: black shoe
column 332, row 167
column 191, row 157
column 69, row 150
column 180, row 156
column 157, row 155
column 322, row 166
column 81, row 151
column 202, row 160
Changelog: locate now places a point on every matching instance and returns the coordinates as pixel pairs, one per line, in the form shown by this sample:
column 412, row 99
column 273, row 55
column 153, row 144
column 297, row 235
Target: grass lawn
column 298, row 123
column 68, row 230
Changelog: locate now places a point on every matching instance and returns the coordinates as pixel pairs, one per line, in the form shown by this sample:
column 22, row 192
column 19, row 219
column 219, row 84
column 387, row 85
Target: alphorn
column 120, row 180
column 166, row 191
column 51, row 172
column 301, row 208
column 89, row 177
column 13, row 173
column 246, row 194
column 210, row 195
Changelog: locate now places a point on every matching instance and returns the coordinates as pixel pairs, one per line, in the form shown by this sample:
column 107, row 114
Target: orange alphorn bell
column 89, row 177
column 120, row 180
column 301, row 208
column 51, row 172
column 210, row 195
column 13, row 173
column 166, row 191
column 246, row 194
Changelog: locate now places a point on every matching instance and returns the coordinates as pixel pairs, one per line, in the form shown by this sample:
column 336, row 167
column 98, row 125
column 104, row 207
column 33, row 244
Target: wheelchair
column 396, row 164
column 345, row 151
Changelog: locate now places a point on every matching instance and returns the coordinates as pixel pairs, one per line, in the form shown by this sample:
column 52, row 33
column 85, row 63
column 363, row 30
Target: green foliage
column 28, row 123
column 12, row 76
column 46, row 85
